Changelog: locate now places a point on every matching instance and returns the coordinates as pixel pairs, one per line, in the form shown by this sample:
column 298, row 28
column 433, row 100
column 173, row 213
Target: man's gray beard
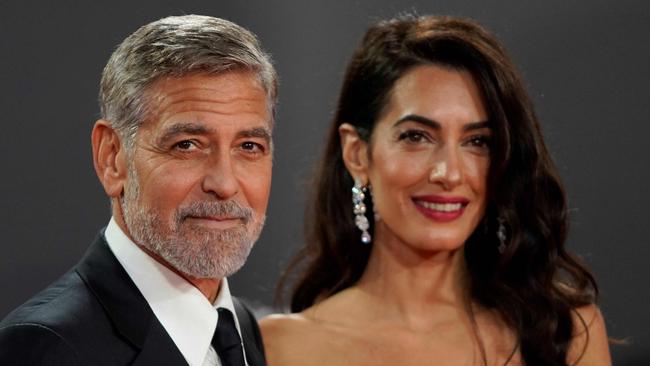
column 192, row 249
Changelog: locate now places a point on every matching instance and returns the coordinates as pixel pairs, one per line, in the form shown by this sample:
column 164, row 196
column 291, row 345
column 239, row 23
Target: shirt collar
column 184, row 312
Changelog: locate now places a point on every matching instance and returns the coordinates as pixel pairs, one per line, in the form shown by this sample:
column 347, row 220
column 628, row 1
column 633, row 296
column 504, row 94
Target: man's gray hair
column 175, row 47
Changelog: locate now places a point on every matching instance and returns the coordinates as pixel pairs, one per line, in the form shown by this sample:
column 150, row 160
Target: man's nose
column 219, row 177
column 446, row 169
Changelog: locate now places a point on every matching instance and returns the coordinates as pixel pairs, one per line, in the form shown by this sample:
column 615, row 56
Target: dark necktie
column 226, row 340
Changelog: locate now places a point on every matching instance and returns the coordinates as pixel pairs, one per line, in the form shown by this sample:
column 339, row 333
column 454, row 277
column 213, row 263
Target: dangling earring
column 501, row 234
column 375, row 214
column 360, row 220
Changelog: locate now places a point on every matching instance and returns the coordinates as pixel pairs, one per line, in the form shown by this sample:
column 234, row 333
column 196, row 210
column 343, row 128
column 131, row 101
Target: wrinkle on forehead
column 238, row 92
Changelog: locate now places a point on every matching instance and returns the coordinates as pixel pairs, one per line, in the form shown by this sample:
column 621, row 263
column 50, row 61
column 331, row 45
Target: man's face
column 200, row 172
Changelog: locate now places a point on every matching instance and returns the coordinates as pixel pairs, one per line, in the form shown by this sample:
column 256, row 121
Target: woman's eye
column 481, row 141
column 412, row 136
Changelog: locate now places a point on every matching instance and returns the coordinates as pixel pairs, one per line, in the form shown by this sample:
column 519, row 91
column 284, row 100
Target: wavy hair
column 535, row 283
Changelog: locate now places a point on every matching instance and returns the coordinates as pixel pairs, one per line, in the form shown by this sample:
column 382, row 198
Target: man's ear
column 355, row 152
column 109, row 158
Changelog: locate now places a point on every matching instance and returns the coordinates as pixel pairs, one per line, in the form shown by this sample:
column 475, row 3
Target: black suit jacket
column 95, row 315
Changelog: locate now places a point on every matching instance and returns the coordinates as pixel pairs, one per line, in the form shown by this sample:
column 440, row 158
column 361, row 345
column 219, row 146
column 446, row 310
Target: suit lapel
column 158, row 349
column 126, row 307
column 250, row 335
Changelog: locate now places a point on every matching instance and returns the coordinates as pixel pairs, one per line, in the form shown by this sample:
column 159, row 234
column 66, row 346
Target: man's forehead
column 235, row 98
column 222, row 87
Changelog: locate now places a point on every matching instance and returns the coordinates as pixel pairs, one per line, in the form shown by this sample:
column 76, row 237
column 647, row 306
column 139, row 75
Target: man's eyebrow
column 436, row 125
column 183, row 128
column 257, row 132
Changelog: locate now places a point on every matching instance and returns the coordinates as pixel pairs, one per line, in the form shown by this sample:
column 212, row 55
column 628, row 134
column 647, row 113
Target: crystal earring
column 360, row 219
column 375, row 214
column 501, row 234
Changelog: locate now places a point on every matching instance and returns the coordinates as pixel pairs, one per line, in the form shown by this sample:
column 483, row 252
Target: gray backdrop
column 586, row 65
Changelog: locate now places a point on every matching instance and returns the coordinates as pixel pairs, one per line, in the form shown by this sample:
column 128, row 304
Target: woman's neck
column 416, row 287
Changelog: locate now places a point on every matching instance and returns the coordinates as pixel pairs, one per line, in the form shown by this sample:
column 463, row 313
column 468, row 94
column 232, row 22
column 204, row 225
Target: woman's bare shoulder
column 590, row 344
column 333, row 309
column 287, row 338
column 307, row 337
column 283, row 324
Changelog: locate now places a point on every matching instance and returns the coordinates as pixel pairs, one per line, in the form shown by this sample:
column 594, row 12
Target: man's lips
column 217, row 222
column 214, row 218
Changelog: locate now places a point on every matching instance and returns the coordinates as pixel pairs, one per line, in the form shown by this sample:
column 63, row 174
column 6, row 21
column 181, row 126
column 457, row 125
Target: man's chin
column 200, row 255
column 207, row 269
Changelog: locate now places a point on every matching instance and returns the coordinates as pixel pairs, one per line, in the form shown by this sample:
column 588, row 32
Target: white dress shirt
column 184, row 312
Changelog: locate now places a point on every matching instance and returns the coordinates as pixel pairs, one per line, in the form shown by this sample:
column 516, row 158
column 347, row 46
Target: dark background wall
column 585, row 62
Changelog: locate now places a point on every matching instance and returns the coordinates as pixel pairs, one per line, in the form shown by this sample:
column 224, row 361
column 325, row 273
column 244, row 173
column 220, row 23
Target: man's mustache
column 227, row 209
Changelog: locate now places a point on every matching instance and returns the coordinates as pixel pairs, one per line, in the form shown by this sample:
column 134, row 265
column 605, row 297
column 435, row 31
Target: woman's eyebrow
column 436, row 125
column 477, row 125
column 418, row 119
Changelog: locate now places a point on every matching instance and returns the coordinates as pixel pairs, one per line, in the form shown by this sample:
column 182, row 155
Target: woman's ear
column 109, row 158
column 354, row 152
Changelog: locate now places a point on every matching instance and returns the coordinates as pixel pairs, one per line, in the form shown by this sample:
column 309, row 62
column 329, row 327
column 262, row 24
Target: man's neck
column 209, row 287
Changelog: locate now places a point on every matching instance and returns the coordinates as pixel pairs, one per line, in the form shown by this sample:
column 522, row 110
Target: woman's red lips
column 441, row 208
column 442, row 199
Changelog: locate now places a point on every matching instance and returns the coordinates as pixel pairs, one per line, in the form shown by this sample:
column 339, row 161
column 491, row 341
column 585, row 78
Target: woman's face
column 429, row 159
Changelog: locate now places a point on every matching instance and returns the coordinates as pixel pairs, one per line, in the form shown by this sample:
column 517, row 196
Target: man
column 184, row 152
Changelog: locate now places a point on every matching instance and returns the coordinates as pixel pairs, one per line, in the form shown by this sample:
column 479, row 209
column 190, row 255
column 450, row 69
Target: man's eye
column 185, row 145
column 252, row 147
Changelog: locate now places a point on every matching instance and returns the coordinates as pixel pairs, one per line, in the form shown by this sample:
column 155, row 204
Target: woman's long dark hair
column 534, row 284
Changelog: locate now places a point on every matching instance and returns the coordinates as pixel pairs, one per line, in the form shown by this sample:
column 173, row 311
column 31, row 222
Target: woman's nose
column 446, row 170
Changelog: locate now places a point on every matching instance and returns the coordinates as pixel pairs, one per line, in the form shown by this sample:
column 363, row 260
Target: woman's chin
column 435, row 246
column 441, row 246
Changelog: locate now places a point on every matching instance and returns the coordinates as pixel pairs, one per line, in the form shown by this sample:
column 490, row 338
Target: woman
column 450, row 248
